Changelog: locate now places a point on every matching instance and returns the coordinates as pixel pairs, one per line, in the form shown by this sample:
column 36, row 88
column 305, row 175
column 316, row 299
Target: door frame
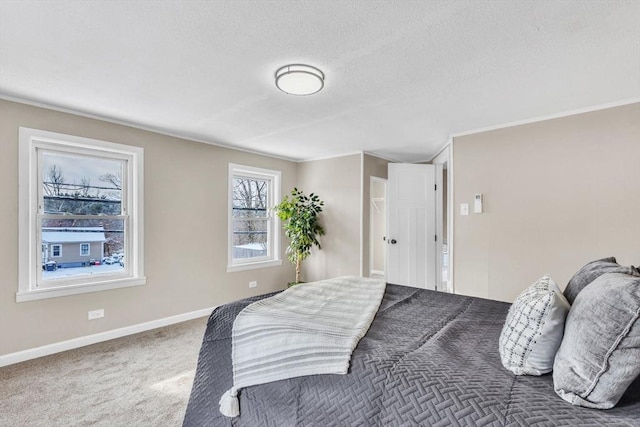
column 373, row 179
column 445, row 157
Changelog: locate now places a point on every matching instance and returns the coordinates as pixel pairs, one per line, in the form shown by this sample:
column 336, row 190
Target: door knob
column 393, row 241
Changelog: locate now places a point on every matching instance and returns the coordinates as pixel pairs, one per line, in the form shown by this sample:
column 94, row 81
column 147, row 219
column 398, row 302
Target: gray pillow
column 533, row 330
column 600, row 353
column 591, row 272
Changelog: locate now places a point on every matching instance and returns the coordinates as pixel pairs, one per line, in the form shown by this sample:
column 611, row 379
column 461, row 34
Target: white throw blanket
column 309, row 329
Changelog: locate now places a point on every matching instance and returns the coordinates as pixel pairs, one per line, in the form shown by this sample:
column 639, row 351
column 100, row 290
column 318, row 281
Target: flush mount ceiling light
column 299, row 79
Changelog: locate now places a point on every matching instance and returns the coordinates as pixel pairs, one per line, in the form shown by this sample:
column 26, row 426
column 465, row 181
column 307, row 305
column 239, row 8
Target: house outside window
column 82, row 198
column 254, row 236
column 85, row 249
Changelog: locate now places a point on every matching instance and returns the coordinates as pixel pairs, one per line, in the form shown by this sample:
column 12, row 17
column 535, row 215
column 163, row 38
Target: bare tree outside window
column 250, row 203
column 55, row 181
column 85, row 187
column 114, row 179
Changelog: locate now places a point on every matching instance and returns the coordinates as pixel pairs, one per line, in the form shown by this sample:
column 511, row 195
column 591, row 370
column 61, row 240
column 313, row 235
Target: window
column 56, row 251
column 85, row 249
column 78, row 193
column 254, row 236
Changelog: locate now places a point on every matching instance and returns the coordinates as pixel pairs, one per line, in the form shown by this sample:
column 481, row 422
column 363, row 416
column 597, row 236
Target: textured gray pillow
column 591, row 272
column 600, row 353
column 533, row 330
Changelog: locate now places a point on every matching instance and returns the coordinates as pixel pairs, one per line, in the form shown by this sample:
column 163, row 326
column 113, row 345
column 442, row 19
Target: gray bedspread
column 429, row 359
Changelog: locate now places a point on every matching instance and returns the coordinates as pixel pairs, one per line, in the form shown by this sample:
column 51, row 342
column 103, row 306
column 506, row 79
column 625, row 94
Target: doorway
column 434, row 260
column 377, row 227
column 444, row 211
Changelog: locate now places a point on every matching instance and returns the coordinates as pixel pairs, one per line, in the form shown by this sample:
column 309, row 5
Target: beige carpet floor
column 140, row 380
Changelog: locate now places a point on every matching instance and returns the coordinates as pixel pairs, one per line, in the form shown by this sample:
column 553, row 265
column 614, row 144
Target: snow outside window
column 78, row 191
column 253, row 228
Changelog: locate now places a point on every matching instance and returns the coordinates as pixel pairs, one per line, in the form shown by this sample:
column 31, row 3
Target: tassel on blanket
column 229, row 405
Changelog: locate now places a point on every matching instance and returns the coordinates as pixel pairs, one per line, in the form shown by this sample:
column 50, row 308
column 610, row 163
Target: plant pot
column 291, row 284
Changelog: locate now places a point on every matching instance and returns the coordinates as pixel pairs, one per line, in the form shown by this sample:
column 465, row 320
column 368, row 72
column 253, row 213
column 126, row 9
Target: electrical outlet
column 253, row 284
column 96, row 314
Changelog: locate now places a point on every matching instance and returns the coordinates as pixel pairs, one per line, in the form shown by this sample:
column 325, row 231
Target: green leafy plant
column 299, row 215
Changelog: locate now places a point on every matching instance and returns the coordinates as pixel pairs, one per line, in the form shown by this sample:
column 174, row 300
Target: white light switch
column 464, row 208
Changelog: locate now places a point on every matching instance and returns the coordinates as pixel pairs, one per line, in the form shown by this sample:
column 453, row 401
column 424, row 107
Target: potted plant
column 299, row 215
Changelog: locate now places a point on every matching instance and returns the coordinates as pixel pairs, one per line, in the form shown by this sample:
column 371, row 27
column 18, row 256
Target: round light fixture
column 299, row 79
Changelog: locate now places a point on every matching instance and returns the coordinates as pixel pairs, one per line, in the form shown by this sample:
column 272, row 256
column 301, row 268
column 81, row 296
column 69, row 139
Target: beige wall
column 337, row 182
column 557, row 194
column 371, row 166
column 185, row 234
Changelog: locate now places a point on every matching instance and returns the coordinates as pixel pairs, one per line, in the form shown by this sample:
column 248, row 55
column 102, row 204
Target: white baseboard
column 377, row 272
column 45, row 350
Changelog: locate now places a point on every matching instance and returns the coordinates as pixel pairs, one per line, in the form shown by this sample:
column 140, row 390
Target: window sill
column 254, row 265
column 32, row 295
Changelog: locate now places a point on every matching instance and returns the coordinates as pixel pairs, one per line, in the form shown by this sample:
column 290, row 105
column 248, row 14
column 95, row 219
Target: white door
column 411, row 225
column 439, row 212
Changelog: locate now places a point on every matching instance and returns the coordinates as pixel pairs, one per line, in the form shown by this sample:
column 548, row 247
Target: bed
column 428, row 359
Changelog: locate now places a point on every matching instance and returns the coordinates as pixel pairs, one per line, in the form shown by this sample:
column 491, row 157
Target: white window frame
column 31, row 142
column 273, row 257
column 88, row 251
column 59, row 246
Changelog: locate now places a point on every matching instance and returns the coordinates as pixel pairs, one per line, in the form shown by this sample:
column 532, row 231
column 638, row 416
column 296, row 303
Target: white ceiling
column 401, row 76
